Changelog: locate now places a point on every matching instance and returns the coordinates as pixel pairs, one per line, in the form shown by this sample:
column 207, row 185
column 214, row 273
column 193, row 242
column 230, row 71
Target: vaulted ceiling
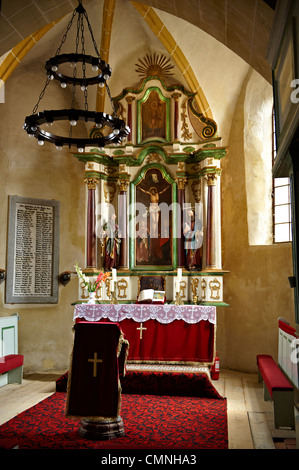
column 242, row 25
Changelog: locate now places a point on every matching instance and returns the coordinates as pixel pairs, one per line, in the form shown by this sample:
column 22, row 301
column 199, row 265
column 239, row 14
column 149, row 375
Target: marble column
column 122, row 223
column 91, row 252
column 181, row 182
column 211, row 235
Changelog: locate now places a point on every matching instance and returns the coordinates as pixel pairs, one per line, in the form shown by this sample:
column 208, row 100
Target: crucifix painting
column 154, row 221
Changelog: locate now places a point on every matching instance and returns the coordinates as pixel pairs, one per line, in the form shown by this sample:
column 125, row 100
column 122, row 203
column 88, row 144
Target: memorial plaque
column 33, row 251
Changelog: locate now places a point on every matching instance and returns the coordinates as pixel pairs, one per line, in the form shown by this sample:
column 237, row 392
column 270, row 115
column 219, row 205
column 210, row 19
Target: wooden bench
column 12, row 366
column 277, row 388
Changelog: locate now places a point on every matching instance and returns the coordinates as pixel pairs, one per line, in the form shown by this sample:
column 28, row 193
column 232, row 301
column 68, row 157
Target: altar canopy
column 93, row 386
column 160, row 333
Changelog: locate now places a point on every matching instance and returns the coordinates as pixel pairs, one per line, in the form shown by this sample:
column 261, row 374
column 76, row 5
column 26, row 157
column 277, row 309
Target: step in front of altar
column 162, row 379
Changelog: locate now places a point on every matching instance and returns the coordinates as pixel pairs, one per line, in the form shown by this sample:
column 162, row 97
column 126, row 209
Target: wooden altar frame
column 132, row 261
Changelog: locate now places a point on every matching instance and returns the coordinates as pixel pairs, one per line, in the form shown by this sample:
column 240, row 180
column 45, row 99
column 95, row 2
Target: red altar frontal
column 160, row 333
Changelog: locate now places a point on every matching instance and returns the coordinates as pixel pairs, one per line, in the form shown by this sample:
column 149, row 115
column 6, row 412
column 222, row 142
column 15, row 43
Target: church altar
column 165, row 333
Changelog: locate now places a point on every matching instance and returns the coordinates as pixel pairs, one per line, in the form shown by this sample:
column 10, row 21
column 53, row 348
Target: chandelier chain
column 66, row 33
column 111, row 100
column 91, row 34
column 41, row 95
column 83, row 64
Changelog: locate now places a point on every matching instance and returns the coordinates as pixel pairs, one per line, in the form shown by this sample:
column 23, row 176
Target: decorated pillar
column 176, row 96
column 211, row 235
column 181, row 182
column 129, row 100
column 123, row 181
column 91, row 258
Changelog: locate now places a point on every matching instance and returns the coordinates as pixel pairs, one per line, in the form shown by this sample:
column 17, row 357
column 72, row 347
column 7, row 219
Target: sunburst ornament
column 154, row 65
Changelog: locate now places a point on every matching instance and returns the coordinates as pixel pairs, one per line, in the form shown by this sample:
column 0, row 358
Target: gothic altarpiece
column 153, row 187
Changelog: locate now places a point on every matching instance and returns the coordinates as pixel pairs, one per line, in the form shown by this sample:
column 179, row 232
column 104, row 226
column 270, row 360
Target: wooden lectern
column 94, row 390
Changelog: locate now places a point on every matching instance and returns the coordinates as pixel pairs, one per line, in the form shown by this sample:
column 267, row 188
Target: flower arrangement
column 89, row 285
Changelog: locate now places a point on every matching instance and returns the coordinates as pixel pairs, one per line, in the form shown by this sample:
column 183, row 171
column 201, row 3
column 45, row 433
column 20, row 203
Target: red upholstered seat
column 12, row 361
column 272, row 374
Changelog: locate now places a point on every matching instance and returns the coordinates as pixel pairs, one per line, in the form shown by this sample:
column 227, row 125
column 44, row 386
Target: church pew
column 277, row 388
column 11, row 369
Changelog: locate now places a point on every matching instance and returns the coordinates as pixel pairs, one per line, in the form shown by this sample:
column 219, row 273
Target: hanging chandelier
column 112, row 130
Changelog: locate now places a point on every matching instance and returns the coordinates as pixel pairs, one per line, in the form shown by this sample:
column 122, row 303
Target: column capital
column 91, row 182
column 130, row 99
column 123, row 184
column 211, row 179
column 176, row 95
column 181, row 182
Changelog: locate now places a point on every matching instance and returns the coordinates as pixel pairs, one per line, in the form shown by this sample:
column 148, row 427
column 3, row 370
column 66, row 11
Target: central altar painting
column 154, row 226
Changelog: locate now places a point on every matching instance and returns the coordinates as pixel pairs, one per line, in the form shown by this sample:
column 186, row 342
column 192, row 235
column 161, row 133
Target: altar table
column 160, row 333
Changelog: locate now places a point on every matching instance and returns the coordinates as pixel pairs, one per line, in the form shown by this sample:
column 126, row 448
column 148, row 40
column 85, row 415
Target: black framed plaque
column 32, row 251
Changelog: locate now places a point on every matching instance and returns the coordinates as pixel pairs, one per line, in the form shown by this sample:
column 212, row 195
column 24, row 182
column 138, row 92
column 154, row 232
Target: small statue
column 112, row 243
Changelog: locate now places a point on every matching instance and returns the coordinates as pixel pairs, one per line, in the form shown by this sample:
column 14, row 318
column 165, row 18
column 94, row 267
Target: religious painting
column 153, row 221
column 153, row 116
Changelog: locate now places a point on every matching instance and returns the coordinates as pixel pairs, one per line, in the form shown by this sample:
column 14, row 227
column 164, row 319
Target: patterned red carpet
column 150, row 421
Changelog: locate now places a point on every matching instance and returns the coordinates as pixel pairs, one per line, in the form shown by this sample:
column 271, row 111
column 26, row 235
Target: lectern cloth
column 93, row 384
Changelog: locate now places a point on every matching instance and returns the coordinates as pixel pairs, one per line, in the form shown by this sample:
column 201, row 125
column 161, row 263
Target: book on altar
column 151, row 296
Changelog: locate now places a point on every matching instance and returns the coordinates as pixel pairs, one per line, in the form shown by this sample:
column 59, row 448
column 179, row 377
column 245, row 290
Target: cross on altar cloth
column 141, row 328
column 97, row 361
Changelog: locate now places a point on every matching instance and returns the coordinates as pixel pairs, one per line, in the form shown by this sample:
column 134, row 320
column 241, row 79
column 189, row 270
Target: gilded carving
column 203, row 289
column 130, row 99
column 176, row 96
column 181, row 182
column 122, row 285
column 84, row 292
column 183, row 286
column 122, row 168
column 123, row 184
column 185, row 130
column 154, row 65
column 194, row 286
column 211, row 179
column 110, row 170
column 109, row 191
column 181, row 166
column 153, row 157
column 215, row 289
column 196, row 190
column 91, row 182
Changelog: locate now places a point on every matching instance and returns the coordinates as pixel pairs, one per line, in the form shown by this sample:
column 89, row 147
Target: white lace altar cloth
column 165, row 313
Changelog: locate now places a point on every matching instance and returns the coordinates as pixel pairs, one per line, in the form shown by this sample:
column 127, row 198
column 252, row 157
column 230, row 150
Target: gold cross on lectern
column 95, row 360
column 141, row 329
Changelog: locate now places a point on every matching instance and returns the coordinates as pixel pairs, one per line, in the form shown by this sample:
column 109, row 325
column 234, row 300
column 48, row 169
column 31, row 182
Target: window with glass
column 282, row 210
column 282, row 219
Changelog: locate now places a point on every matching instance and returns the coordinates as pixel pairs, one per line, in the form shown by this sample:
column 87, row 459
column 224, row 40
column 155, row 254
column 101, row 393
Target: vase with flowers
column 90, row 285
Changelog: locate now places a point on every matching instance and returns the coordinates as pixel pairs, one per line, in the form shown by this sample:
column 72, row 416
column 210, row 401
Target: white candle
column 112, row 285
column 177, row 286
column 114, row 277
column 179, row 274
